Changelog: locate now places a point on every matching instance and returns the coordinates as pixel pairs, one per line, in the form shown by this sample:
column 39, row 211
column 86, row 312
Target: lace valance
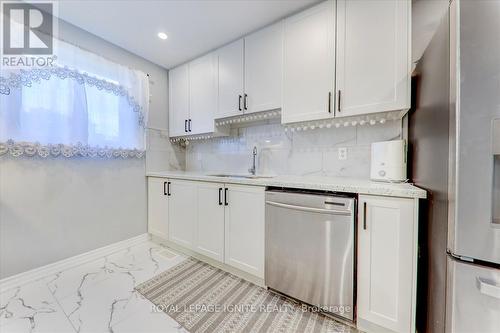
column 18, row 149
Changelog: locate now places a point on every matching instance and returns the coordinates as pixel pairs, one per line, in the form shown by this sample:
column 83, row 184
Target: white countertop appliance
column 388, row 161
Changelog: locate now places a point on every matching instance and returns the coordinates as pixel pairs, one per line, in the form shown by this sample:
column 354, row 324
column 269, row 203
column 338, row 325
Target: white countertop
column 338, row 184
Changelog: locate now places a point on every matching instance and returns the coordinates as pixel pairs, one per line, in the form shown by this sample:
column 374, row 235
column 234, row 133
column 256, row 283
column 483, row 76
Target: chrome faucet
column 253, row 169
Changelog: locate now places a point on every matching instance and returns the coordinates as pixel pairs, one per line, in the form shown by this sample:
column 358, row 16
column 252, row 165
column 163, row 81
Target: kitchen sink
column 240, row 176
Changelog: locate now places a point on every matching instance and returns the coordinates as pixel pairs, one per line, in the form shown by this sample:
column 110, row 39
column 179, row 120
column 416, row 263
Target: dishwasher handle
column 310, row 209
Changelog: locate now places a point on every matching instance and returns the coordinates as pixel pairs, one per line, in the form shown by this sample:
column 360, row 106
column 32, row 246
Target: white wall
column 51, row 209
column 312, row 152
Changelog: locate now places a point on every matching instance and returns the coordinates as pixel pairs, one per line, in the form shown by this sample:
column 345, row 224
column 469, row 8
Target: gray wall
column 54, row 209
column 51, row 209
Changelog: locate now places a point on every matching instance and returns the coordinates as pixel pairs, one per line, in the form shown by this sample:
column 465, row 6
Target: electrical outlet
column 343, row 153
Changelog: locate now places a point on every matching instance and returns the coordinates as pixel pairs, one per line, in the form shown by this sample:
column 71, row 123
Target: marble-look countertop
column 338, row 184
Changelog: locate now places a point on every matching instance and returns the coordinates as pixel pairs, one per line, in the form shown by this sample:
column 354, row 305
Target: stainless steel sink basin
column 240, row 176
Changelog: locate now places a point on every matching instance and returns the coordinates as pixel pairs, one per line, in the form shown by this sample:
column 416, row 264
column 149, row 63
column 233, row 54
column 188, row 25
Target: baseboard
column 235, row 271
column 41, row 272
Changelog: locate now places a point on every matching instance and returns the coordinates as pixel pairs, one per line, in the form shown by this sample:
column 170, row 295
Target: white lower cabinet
column 223, row 222
column 387, row 238
column 182, row 212
column 209, row 230
column 158, row 206
column 244, row 228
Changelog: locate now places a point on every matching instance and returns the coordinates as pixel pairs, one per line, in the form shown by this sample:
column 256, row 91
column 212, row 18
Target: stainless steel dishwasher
column 310, row 248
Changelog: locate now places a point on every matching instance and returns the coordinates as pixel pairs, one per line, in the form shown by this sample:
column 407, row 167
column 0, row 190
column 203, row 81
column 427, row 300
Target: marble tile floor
column 94, row 297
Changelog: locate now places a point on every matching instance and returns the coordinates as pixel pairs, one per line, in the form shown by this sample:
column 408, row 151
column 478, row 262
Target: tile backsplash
column 161, row 153
column 312, row 152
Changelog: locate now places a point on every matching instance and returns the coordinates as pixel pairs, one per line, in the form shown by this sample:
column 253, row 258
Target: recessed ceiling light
column 162, row 35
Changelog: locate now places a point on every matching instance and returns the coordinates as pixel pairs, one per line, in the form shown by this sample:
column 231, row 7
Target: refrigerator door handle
column 488, row 287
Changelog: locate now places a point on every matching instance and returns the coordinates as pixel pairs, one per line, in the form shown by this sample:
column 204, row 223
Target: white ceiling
column 193, row 27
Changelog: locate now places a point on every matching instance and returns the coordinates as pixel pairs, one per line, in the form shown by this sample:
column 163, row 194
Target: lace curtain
column 85, row 105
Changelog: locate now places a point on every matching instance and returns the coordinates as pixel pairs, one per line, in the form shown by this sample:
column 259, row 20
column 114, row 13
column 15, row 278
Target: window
column 84, row 106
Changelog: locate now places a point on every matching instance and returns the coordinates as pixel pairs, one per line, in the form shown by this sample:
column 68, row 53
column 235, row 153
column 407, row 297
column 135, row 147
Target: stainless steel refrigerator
column 454, row 136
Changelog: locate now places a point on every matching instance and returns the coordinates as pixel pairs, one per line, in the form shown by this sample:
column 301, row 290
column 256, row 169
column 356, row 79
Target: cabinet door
column 373, row 59
column 244, row 226
column 178, row 112
column 202, row 94
column 309, row 64
column 182, row 212
column 210, row 220
column 158, row 207
column 230, row 79
column 386, row 263
column 263, row 68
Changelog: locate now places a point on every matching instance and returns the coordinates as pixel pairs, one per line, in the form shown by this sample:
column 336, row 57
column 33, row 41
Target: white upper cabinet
column 250, row 73
column 309, row 64
column 263, row 69
column 203, row 89
column 231, row 71
column 338, row 58
column 178, row 112
column 373, row 58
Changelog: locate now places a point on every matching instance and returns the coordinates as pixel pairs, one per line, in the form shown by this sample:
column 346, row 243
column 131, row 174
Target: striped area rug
column 203, row 298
